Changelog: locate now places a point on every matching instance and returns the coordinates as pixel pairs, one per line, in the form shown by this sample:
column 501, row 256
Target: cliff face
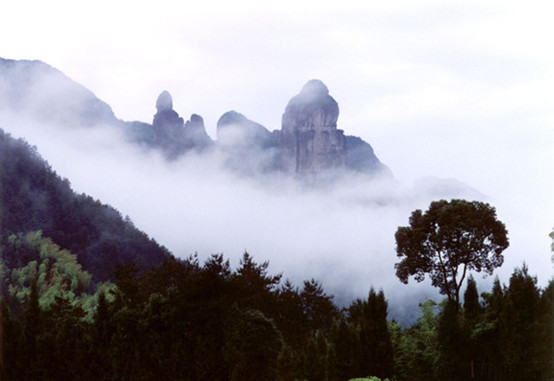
column 172, row 134
column 307, row 143
column 310, row 141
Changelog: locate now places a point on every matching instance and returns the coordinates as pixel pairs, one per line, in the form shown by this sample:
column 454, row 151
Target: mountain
column 172, row 134
column 310, row 141
column 33, row 197
column 307, row 143
column 42, row 92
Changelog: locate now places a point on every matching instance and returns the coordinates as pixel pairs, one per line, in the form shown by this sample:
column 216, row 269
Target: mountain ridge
column 47, row 94
column 33, row 197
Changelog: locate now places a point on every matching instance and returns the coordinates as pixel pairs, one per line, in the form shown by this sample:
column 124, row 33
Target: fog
column 340, row 232
column 454, row 98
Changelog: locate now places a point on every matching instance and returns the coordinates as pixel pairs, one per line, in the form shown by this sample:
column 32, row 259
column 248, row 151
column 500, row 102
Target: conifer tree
column 375, row 342
column 345, row 346
column 472, row 314
column 472, row 307
column 451, row 341
column 518, row 326
column 252, row 348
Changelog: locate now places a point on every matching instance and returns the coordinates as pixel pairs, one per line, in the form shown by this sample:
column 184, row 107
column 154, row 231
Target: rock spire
column 310, row 141
column 172, row 134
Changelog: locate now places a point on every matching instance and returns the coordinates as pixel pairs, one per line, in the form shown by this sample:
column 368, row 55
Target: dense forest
column 85, row 295
column 205, row 321
column 33, row 197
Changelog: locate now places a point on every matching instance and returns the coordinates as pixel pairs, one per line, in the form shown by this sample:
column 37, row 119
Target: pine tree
column 252, row 348
column 345, row 346
column 545, row 345
column 451, row 340
column 472, row 314
column 486, row 334
column 518, row 326
column 472, row 307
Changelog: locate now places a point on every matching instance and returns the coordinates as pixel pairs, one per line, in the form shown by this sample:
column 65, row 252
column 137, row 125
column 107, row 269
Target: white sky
column 452, row 89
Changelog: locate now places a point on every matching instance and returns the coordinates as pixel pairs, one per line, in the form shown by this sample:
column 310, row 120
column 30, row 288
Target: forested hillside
column 187, row 320
column 33, row 197
column 62, row 318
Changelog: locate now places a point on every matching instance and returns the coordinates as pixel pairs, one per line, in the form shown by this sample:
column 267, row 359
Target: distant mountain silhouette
column 308, row 142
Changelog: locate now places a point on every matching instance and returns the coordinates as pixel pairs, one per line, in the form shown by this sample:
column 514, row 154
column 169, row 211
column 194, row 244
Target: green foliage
column 416, row 348
column 518, row 328
column 452, row 343
column 35, row 198
column 252, row 348
column 447, row 241
column 318, row 307
column 56, row 272
column 191, row 321
column 544, row 331
column 472, row 307
column 375, row 354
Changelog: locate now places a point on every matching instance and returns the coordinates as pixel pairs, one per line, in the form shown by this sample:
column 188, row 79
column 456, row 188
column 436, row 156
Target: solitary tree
column 447, row 241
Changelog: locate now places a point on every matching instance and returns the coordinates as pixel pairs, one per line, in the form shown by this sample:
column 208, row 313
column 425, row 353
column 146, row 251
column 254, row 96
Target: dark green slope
column 34, row 197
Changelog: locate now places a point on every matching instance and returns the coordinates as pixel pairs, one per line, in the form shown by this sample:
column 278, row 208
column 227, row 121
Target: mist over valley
column 309, row 198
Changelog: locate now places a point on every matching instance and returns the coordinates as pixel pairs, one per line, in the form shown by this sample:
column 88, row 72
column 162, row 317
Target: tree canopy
column 448, row 240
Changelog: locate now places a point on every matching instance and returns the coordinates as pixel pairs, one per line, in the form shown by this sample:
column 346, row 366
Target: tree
column 319, row 309
column 345, row 350
column 416, row 348
column 486, row 335
column 254, row 286
column 472, row 307
column 375, row 352
column 518, row 327
column 252, row 347
column 451, row 343
column 33, row 320
column 472, row 314
column 447, row 241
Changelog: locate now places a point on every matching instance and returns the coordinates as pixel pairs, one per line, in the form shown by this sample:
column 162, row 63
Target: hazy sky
column 448, row 89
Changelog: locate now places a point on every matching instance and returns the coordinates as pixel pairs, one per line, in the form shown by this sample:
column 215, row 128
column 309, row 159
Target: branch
column 459, row 285
column 444, row 274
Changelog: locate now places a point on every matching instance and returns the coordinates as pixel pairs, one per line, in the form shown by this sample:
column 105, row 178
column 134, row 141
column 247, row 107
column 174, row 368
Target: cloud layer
column 459, row 90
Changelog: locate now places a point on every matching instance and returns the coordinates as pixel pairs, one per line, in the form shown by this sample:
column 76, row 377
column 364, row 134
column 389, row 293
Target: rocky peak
column 164, row 102
column 172, row 134
column 310, row 141
column 194, row 133
column 313, row 106
column 234, row 129
column 167, row 124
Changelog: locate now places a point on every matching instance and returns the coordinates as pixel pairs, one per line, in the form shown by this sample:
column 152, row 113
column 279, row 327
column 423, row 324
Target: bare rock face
column 172, row 134
column 164, row 102
column 194, row 133
column 310, row 141
column 167, row 124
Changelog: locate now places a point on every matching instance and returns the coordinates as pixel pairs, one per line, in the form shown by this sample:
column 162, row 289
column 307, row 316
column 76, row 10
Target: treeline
column 183, row 320
column 206, row 321
column 506, row 334
column 33, row 197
